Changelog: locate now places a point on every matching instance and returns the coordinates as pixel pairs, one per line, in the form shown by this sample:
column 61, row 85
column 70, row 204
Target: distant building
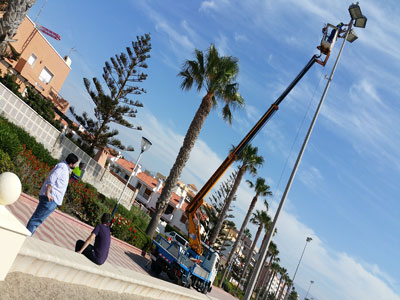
column 39, row 64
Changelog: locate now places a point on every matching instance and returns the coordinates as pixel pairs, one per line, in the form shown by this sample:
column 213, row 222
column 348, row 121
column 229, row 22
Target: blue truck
column 183, row 265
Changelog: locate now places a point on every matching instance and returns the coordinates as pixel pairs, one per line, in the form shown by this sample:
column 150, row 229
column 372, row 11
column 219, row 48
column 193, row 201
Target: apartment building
column 39, row 64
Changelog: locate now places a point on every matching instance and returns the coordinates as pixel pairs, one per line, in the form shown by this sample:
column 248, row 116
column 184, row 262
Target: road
column 63, row 230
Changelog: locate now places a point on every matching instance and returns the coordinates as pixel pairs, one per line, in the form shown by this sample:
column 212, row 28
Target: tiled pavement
column 63, row 230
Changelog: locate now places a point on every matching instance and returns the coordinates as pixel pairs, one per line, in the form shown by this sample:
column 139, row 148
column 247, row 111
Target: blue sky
column 345, row 195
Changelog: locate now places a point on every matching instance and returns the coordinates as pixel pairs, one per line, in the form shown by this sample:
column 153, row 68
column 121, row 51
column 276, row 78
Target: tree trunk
column 14, row 15
column 279, row 285
column 180, row 162
column 227, row 204
column 270, row 281
column 281, row 293
column 249, row 257
column 242, row 228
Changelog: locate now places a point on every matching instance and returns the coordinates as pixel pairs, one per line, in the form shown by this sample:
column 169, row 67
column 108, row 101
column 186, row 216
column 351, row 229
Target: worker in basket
column 330, row 35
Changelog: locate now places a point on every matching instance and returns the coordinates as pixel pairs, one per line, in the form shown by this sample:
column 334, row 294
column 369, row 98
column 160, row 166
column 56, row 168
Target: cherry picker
column 330, row 34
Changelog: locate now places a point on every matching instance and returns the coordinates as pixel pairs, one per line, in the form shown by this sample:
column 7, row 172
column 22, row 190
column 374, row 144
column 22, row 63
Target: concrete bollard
column 12, row 232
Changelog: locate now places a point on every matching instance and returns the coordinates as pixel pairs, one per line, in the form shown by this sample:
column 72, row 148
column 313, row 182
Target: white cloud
column 208, row 5
column 240, row 37
column 310, row 176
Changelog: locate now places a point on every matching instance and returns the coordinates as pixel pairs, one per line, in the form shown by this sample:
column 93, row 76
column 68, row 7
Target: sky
column 345, row 193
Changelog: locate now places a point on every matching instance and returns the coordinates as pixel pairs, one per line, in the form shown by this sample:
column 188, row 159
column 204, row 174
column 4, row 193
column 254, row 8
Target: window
column 169, row 210
column 138, row 185
column 32, row 59
column 46, row 76
column 147, row 194
column 183, row 219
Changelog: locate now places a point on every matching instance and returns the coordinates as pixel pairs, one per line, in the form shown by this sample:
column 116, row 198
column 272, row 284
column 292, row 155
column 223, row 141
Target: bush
column 6, row 165
column 127, row 231
column 140, row 218
column 9, row 81
column 20, row 136
column 31, row 171
column 9, row 141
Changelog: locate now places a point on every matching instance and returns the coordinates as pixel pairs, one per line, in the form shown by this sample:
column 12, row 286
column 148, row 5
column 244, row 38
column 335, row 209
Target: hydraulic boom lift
column 194, row 226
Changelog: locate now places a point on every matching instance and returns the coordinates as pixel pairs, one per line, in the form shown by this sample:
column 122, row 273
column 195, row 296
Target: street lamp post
column 360, row 21
column 308, row 239
column 311, row 282
column 146, row 144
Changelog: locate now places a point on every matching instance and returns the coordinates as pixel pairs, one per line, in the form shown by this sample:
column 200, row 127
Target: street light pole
column 146, row 144
column 311, row 282
column 308, row 239
column 267, row 241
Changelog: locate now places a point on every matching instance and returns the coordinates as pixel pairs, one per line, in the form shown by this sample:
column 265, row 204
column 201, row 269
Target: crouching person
column 102, row 238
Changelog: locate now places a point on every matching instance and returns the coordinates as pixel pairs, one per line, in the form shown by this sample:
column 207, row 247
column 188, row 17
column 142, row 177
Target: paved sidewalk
column 63, row 230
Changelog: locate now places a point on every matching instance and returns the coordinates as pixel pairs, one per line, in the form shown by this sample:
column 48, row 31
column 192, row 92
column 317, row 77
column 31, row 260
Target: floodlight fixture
column 355, row 11
column 352, row 36
column 361, row 22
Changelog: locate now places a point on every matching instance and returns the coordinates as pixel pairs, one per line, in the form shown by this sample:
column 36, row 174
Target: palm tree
column 282, row 272
column 250, row 162
column 275, row 268
column 261, row 219
column 273, row 253
column 217, row 75
column 14, row 15
column 287, row 283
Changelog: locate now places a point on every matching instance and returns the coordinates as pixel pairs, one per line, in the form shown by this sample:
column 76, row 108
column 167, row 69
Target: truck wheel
column 204, row 289
column 188, row 283
column 155, row 267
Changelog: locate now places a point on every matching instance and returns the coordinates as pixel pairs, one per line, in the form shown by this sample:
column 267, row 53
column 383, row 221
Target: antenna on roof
column 40, row 11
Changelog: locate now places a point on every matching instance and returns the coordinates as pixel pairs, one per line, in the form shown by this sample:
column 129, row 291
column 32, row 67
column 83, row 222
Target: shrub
column 20, row 136
column 9, row 141
column 31, row 171
column 9, row 81
column 6, row 165
column 127, row 231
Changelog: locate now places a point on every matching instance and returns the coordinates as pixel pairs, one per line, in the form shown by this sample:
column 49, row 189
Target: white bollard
column 12, row 232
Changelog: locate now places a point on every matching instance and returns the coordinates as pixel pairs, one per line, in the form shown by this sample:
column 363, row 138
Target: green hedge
column 13, row 137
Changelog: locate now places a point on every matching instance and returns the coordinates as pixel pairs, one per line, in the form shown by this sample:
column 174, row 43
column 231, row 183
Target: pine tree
column 217, row 202
column 121, row 76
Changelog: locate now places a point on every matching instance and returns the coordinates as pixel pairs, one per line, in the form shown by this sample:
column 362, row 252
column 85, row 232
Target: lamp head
column 146, row 144
column 352, row 36
column 361, row 22
column 356, row 14
column 308, row 239
column 355, row 11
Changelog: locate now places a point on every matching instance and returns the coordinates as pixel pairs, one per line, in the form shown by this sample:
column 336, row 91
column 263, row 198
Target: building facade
column 39, row 64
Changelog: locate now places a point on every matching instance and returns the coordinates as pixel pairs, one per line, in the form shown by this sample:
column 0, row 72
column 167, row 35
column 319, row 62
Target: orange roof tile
column 126, row 164
column 147, row 179
column 193, row 187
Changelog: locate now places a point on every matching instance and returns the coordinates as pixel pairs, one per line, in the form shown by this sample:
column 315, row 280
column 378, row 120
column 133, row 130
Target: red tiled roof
column 147, row 179
column 193, row 187
column 126, row 164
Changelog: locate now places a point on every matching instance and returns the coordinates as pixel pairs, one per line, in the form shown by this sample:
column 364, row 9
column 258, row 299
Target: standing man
column 52, row 191
column 77, row 172
column 101, row 235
